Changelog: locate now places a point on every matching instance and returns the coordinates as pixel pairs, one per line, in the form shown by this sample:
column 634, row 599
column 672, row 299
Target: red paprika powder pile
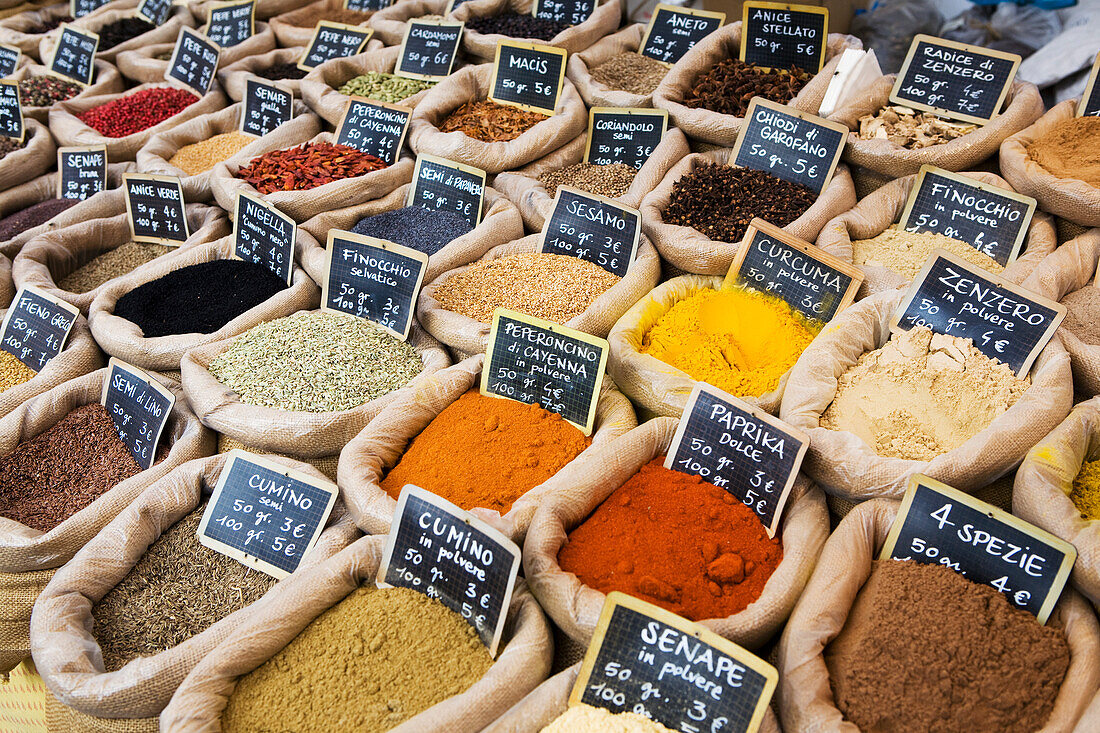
column 673, row 540
column 138, row 111
column 307, row 166
column 485, row 452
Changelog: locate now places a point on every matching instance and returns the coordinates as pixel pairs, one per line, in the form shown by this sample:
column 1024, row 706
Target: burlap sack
column 881, row 210
column 124, row 339
column 598, row 94
column 37, row 156
column 1090, row 721
column 319, row 87
column 70, row 131
column 304, row 205
column 7, row 287
column 535, row 202
column 847, row 467
column 805, row 695
column 470, row 336
column 691, row 251
column 368, row 457
column 50, row 257
column 105, row 81
column 167, row 31
column 310, row 434
column 13, row 30
column 325, row 464
column 471, row 84
column 61, row 718
column 142, row 66
column 1022, row 106
column 265, row 9
column 390, row 23
column 576, row 492
column 500, row 223
column 65, row 650
column 233, row 77
column 483, row 46
column 29, row 556
column 715, row 128
column 296, row 27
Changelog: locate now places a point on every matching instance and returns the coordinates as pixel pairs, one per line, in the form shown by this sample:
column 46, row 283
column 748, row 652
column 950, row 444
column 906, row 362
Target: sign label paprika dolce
column 36, row 326
column 139, row 406
column 528, row 76
column 673, row 31
column 333, row 41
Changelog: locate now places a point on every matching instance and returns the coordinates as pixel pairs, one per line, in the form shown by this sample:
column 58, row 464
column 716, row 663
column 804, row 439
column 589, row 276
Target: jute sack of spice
column 704, row 125
column 106, row 80
column 879, row 211
column 522, row 661
column 14, row 31
column 806, row 699
column 233, row 77
column 470, row 336
column 29, row 556
column 63, row 632
column 46, row 260
column 295, row 27
column 164, row 33
column 483, row 46
column 845, row 466
column 7, row 286
column 142, row 65
column 390, row 23
column 38, row 155
column 576, row 492
column 500, row 224
column 597, row 94
column 1022, row 106
column 691, row 251
column 535, row 202
column 320, row 86
column 471, row 84
column 370, row 455
column 265, row 9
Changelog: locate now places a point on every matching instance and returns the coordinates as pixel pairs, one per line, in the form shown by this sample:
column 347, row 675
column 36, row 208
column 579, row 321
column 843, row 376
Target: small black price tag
column 230, row 23
column 9, row 59
column 1005, row 322
column 194, row 61
column 80, row 8
column 266, row 106
column 81, row 172
column 643, row 659
column 792, row 145
column 673, row 31
column 376, row 128
column 779, row 36
column 334, row 41
column 1089, row 105
column 807, row 278
column 439, row 550
column 265, row 515
column 74, row 56
column 264, row 235
column 448, row 186
column 955, row 80
column 528, row 76
column 156, row 209
column 572, row 12
column 535, row 361
column 155, row 11
column 939, row 525
column 11, row 111
column 36, row 326
column 139, row 406
column 624, row 135
column 733, row 445
column 592, row 228
column 373, row 279
column 990, row 219
column 429, row 49
column 367, row 5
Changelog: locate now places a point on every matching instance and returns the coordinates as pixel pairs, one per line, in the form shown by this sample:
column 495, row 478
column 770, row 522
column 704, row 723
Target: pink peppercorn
column 138, row 111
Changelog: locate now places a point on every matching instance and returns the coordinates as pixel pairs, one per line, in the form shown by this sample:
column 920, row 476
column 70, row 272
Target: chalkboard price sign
column 673, row 31
column 572, row 12
column 264, row 235
column 80, row 8
column 74, row 56
column 954, row 80
column 779, row 36
column 156, row 209
column 36, row 326
column 990, row 219
column 81, row 172
column 155, row 11
column 376, row 128
column 367, row 5
column 265, row 515
column 194, row 61
column 139, row 406
column 733, row 445
column 939, row 525
column 373, row 279
column 1006, row 322
column 228, row 24
column 439, row 550
column 334, row 41
column 448, row 186
column 9, row 59
column 592, row 228
column 1089, row 104
column 535, row 361
column 528, row 76
column 11, row 111
column 266, row 106
column 624, row 135
column 646, row 660
column 429, row 49
column 792, row 145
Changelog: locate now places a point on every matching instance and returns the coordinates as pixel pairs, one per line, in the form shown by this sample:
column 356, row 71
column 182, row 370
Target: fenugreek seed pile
column 111, row 264
column 630, row 72
column 383, row 87
column 13, row 372
column 316, row 362
column 202, row 156
column 604, row 180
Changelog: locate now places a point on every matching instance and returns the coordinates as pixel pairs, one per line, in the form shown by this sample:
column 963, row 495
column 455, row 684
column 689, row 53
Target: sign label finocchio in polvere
column 673, row 31
column 139, row 407
column 36, row 327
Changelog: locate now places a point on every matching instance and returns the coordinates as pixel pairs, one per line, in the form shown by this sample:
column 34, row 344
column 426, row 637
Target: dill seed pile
column 178, row 589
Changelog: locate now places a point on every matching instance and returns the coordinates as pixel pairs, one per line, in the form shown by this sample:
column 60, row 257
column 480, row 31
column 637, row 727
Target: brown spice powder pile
column 1071, row 150
column 731, row 84
column 630, row 72
column 1083, row 314
column 490, row 122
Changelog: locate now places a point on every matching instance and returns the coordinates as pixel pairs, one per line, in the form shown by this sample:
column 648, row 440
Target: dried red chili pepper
column 307, row 166
column 490, row 122
column 138, row 111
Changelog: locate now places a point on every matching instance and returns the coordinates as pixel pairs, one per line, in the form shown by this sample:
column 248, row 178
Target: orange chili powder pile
column 673, row 540
column 485, row 452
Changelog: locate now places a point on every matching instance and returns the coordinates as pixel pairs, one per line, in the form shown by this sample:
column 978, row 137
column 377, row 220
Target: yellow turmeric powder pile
column 740, row 341
column 1086, row 490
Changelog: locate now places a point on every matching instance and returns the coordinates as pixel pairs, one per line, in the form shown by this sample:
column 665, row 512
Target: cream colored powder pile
column 587, row 719
column 922, row 394
column 905, row 252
